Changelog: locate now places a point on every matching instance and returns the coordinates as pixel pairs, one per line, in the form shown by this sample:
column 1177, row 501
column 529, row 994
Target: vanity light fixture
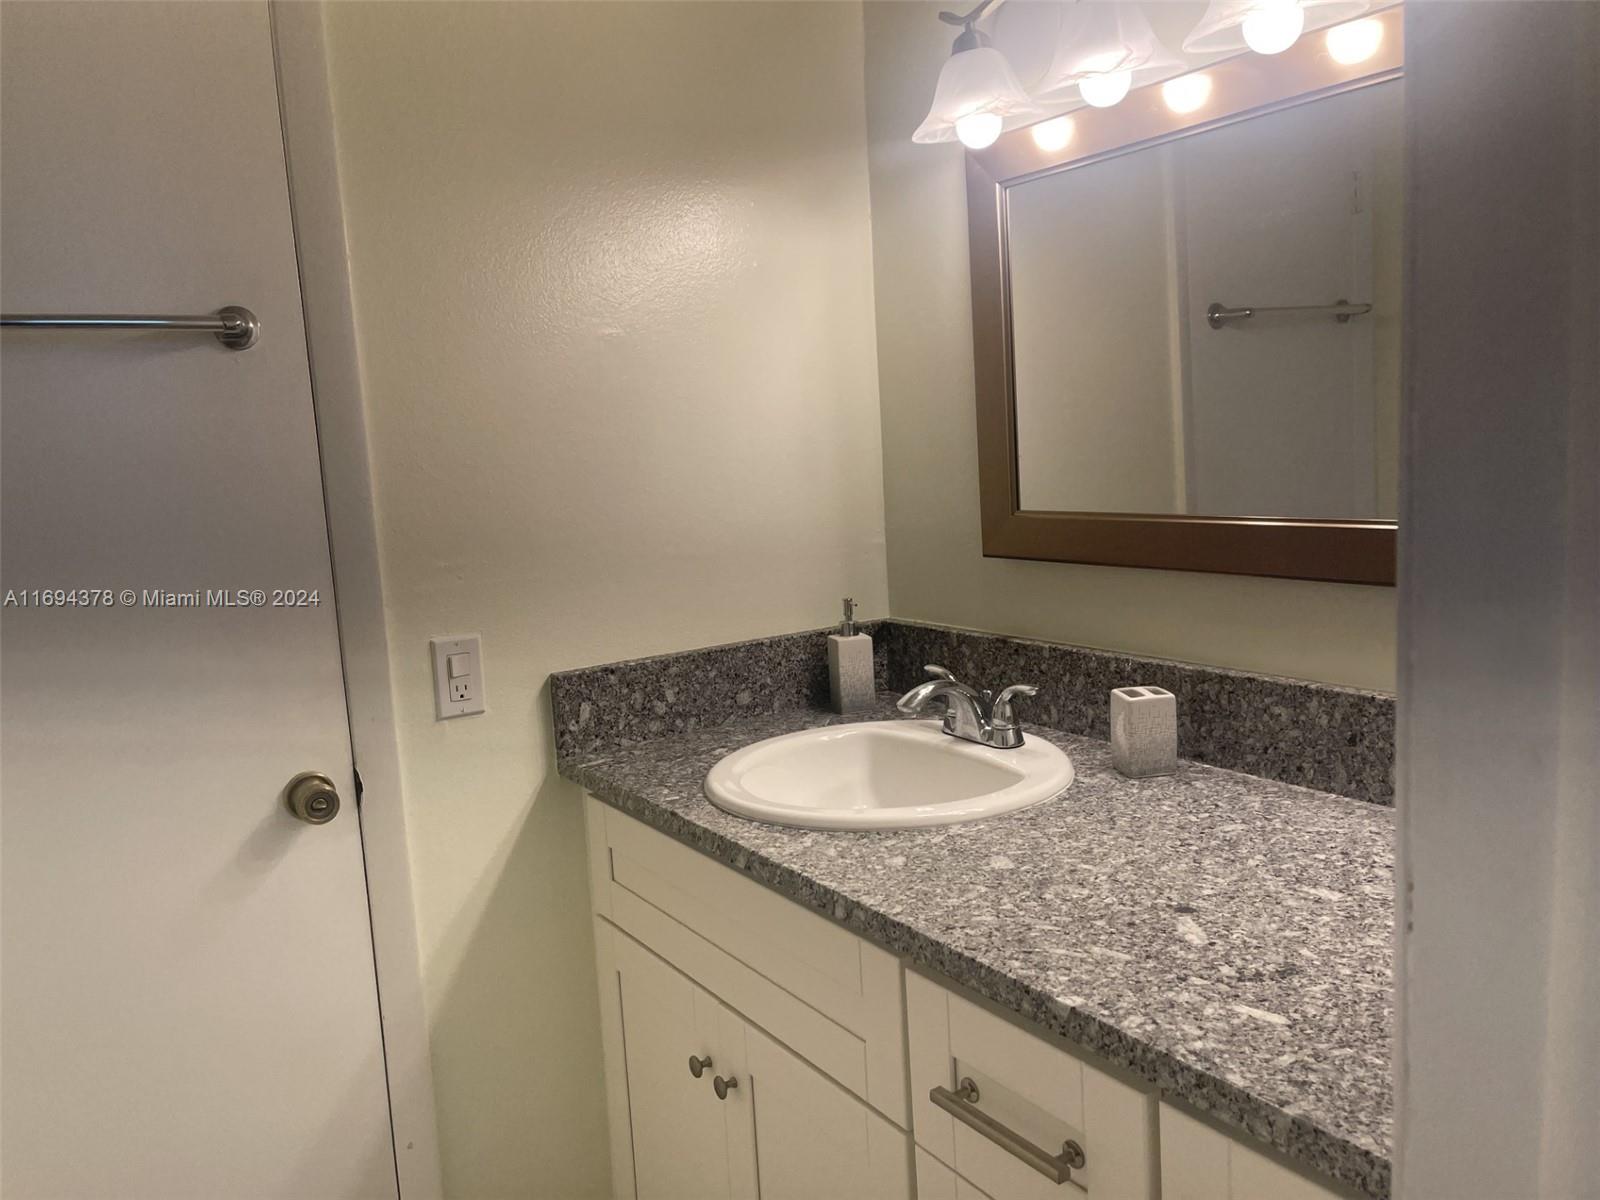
column 1187, row 93
column 1354, row 42
column 1053, row 135
column 1101, row 47
column 1265, row 26
column 977, row 92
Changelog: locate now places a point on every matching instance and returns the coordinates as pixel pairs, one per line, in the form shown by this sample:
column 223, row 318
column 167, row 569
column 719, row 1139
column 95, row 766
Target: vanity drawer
column 1032, row 1096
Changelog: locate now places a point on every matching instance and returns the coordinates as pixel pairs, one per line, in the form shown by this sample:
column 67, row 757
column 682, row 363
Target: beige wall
column 1331, row 632
column 612, row 272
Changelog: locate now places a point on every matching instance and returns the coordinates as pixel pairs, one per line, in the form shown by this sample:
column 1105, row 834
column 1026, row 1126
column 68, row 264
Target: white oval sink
column 883, row 775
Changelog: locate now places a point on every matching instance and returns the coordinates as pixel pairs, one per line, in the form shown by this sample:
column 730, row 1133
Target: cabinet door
column 680, row 1134
column 813, row 1138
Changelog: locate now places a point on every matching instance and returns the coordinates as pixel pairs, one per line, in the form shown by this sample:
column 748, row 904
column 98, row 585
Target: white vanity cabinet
column 754, row 1049
column 717, row 1110
column 802, row 1021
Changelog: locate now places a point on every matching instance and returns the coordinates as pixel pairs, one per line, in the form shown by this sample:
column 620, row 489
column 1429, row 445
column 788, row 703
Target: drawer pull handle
column 722, row 1086
column 698, row 1065
column 961, row 1104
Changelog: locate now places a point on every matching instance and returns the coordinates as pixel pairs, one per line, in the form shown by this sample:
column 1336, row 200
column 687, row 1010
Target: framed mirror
column 1186, row 325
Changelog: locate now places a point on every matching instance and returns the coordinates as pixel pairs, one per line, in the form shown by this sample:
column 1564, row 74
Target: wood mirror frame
column 1345, row 551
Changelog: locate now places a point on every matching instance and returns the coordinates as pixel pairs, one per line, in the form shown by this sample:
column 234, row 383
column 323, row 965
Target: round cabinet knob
column 698, row 1065
column 723, row 1086
column 313, row 798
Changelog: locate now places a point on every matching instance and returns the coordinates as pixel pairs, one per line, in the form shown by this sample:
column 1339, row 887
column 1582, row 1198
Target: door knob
column 723, row 1086
column 698, row 1065
column 313, row 798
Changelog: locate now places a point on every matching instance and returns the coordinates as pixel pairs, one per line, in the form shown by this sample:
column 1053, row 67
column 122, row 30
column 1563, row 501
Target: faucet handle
column 1002, row 714
column 939, row 672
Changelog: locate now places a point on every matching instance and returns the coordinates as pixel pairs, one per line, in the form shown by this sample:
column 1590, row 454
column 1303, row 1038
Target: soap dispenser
column 850, row 683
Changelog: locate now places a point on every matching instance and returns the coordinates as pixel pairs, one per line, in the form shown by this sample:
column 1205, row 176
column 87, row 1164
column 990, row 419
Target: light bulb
column 1356, row 42
column 1273, row 26
column 979, row 129
column 1103, row 91
column 1187, row 92
column 1053, row 135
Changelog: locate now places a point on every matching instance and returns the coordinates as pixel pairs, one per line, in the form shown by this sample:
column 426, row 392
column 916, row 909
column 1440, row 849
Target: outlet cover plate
column 462, row 695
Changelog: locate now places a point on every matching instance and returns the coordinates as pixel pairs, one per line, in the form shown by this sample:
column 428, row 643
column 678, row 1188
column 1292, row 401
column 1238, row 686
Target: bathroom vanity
column 1176, row 987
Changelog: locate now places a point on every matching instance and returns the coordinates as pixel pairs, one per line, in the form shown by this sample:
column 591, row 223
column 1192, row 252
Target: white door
column 189, row 1003
column 680, row 1134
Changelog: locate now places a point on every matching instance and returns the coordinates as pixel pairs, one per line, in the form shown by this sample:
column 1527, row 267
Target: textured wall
column 1336, row 633
column 612, row 275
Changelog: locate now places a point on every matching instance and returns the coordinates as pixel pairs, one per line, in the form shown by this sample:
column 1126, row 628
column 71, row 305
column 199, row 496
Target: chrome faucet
column 972, row 715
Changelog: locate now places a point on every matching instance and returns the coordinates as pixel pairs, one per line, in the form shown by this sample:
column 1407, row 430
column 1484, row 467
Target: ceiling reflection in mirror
column 1210, row 325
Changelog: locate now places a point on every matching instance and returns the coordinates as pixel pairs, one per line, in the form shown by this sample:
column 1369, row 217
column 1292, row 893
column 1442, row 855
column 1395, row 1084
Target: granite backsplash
column 621, row 704
column 1329, row 738
column 1333, row 739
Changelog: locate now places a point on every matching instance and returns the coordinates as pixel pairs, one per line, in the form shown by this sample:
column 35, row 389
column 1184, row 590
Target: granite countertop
column 1225, row 937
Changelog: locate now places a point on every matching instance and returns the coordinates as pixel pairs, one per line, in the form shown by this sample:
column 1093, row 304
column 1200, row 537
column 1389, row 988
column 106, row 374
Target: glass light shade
column 972, row 83
column 1187, row 93
column 1356, row 42
column 1222, row 28
column 1103, row 48
column 1053, row 135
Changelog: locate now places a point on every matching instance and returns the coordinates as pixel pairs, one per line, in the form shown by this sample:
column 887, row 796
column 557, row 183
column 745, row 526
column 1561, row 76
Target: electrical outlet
column 457, row 676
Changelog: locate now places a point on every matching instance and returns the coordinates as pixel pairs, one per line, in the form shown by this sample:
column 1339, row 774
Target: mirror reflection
column 1211, row 325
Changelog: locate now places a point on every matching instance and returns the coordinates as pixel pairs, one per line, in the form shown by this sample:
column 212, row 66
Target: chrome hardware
column 722, row 1086
column 313, row 798
column 240, row 327
column 235, row 327
column 1001, row 710
column 971, row 37
column 1218, row 315
column 971, row 715
column 698, row 1065
column 961, row 1104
